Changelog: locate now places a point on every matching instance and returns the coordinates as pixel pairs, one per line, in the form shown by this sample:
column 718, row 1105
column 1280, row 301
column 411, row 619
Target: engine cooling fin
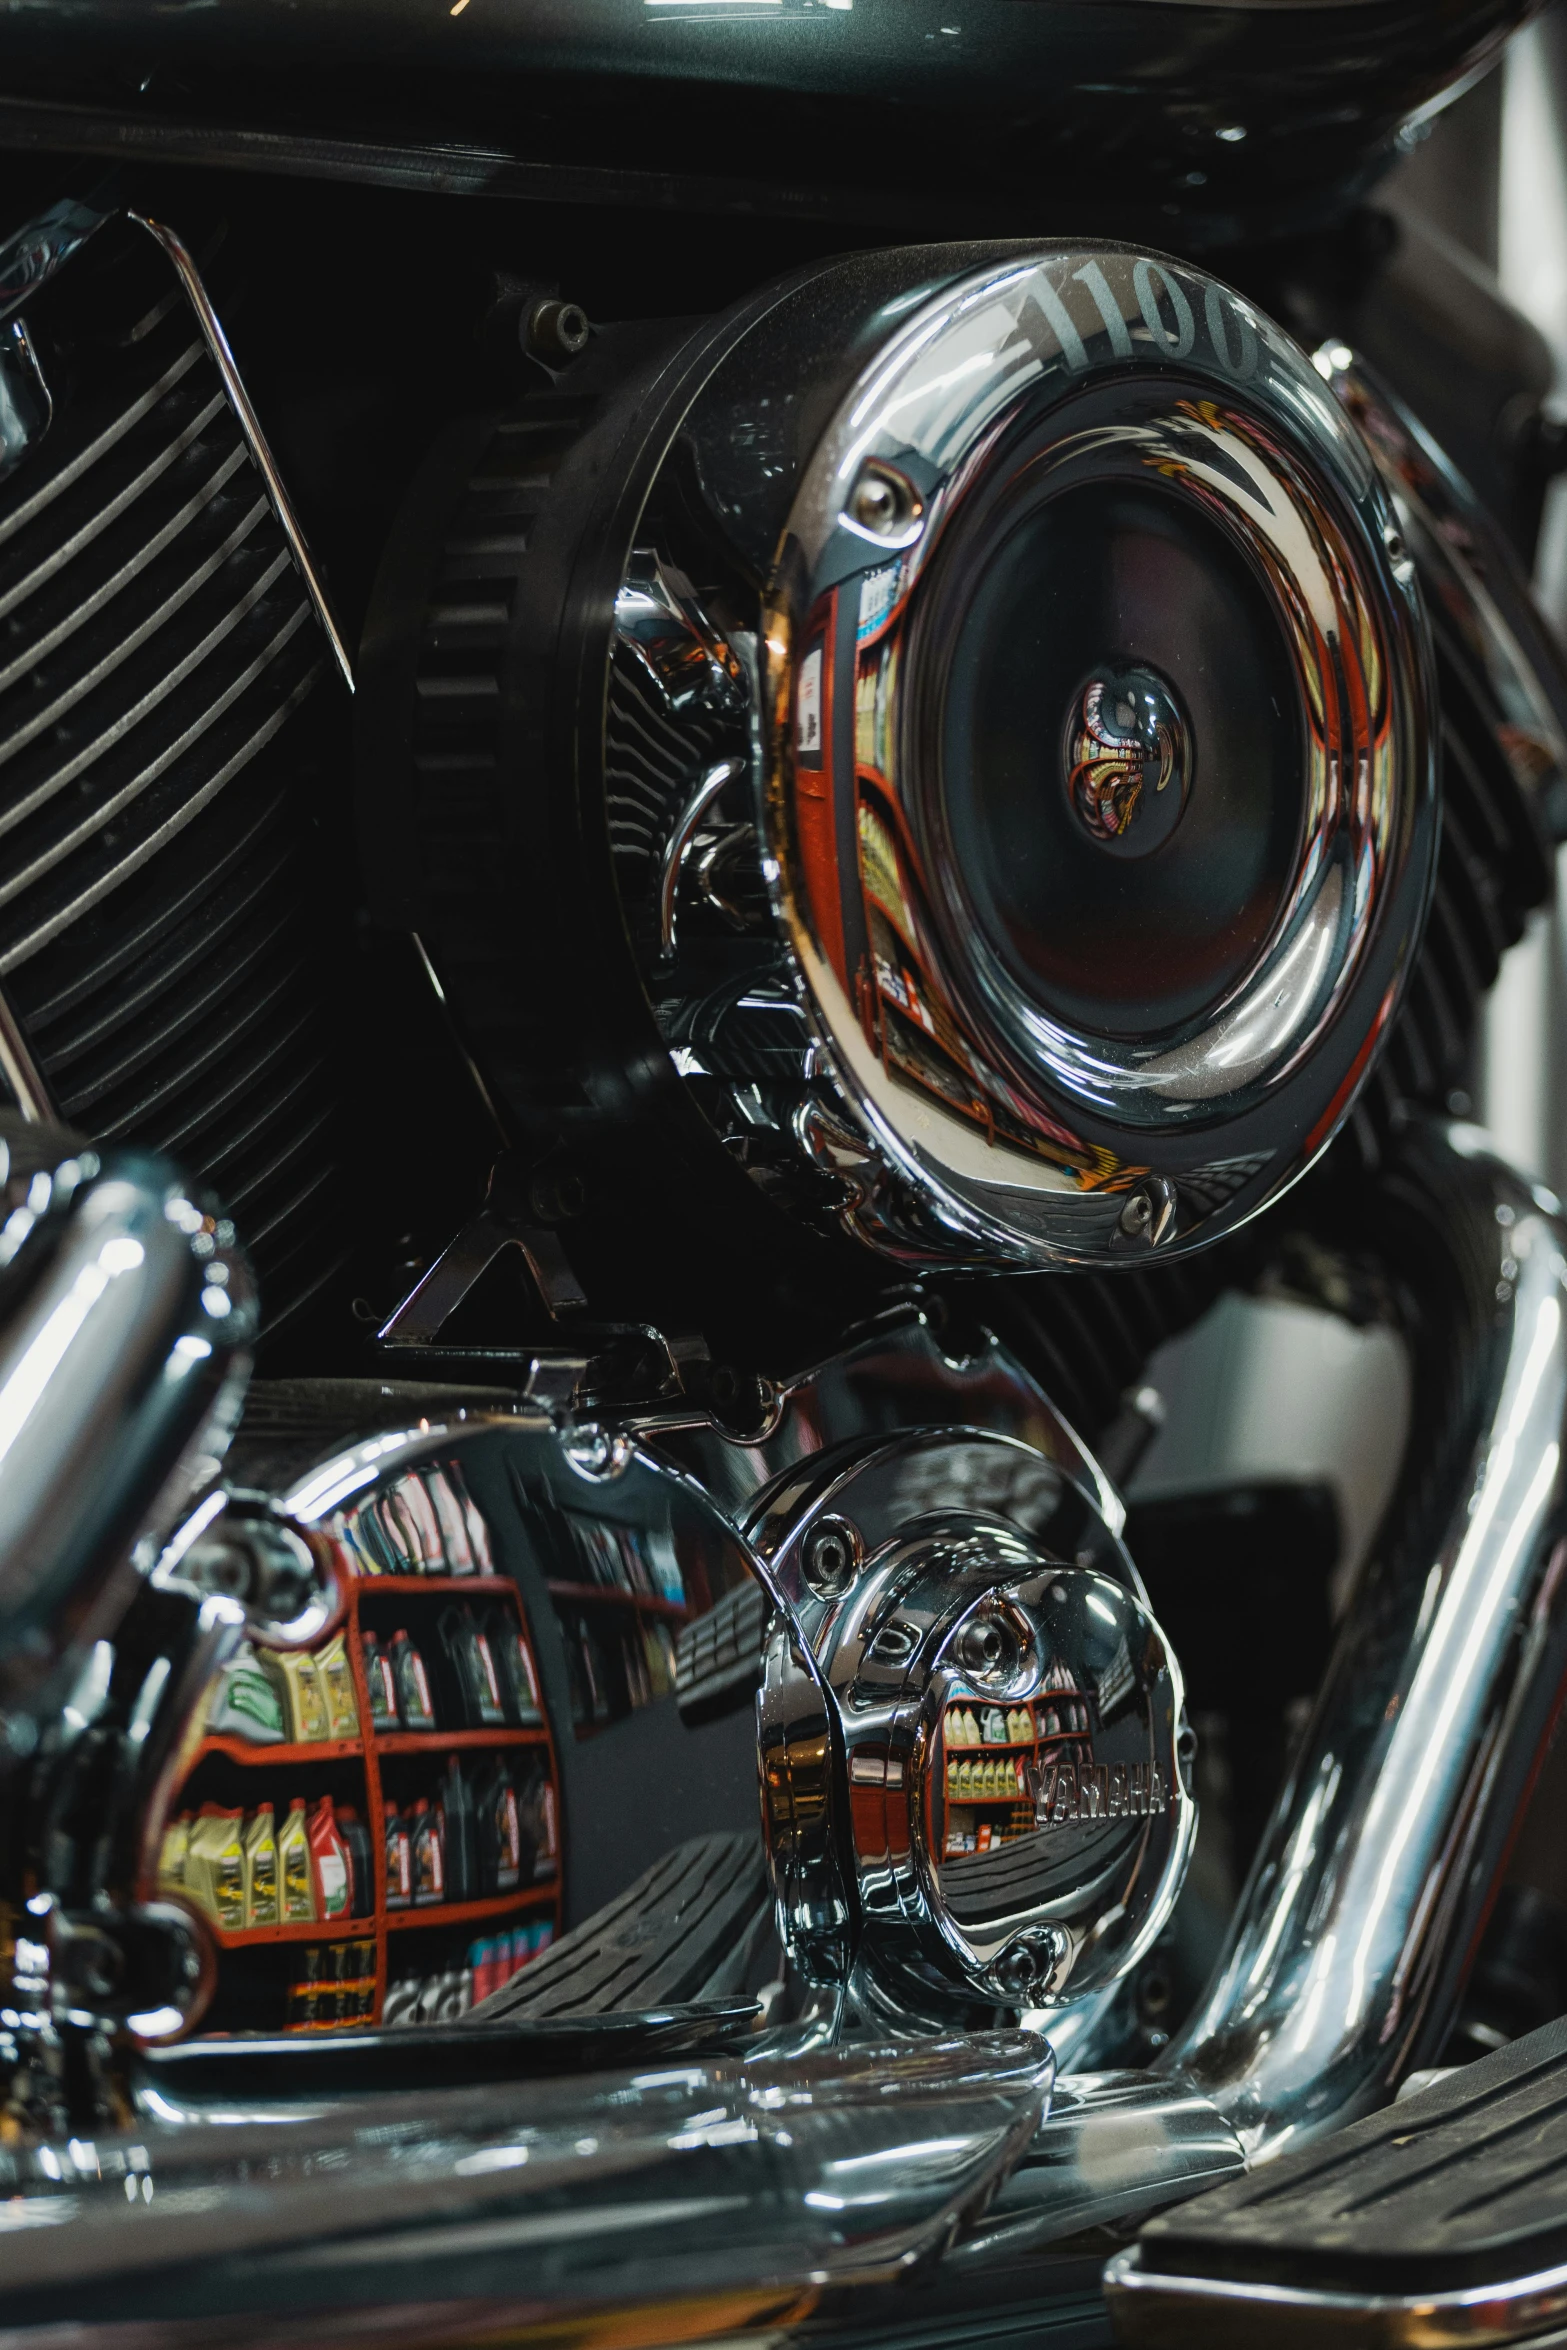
column 161, row 939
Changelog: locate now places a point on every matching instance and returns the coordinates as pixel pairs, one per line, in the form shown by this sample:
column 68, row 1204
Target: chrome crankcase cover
column 1095, row 760
column 992, row 1734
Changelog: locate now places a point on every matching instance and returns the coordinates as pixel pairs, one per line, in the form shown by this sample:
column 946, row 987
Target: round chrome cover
column 993, row 1731
column 1100, row 799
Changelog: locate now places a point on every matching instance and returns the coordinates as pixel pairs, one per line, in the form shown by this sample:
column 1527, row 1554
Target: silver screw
column 830, row 1557
column 1149, row 1213
column 884, row 503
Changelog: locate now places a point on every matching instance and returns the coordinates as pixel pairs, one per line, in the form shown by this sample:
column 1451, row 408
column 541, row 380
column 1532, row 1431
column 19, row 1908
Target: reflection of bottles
column 304, row 1704
column 996, row 1731
column 429, row 1862
column 293, row 1862
column 378, row 1678
column 333, row 1878
column 337, row 1687
column 171, row 1857
column 514, row 1661
column 461, row 1856
column 399, row 1861
column 261, row 1869
column 356, row 1839
column 413, row 1684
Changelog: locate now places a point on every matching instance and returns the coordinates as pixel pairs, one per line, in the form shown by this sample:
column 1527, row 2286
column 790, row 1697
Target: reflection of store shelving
column 620, row 1595
column 452, row 1741
column 242, row 1750
column 1008, row 1812
column 439, row 1510
column 464, row 1913
column 596, row 1594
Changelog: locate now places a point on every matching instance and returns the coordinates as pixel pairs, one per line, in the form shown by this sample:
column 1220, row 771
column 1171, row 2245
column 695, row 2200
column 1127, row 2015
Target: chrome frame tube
column 121, row 1374
column 1373, row 1881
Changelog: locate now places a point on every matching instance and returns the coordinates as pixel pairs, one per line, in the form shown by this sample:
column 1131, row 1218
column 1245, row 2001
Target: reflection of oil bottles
column 471, row 1670
column 429, row 1861
column 456, row 1810
column 585, row 1663
column 295, row 1875
column 399, row 1861
column 498, row 1831
column 378, row 1679
column 261, row 1869
column 356, row 1838
column 413, row 1684
column 514, row 1663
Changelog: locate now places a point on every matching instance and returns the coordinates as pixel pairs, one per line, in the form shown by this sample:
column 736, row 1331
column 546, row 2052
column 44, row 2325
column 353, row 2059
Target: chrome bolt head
column 830, row 1557
column 1149, row 1213
column 885, row 505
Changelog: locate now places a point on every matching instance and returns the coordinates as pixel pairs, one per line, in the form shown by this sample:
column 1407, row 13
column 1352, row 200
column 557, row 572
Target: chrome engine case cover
column 922, row 1602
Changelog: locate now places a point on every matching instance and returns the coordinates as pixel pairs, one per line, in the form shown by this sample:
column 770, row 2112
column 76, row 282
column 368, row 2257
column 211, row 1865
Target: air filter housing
column 946, row 748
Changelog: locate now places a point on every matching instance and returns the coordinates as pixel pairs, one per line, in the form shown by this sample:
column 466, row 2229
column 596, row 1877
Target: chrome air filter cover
column 1100, row 801
column 940, row 755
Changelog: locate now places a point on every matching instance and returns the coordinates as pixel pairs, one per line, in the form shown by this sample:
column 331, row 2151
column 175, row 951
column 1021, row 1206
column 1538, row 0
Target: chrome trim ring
column 966, row 1117
column 1155, row 2311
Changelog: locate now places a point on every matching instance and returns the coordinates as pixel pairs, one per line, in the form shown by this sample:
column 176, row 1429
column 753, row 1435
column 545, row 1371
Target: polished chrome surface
column 678, row 847
column 1113, row 2148
column 239, row 1547
column 895, row 1375
column 1153, row 2311
column 768, row 2176
column 985, row 1123
column 1474, row 584
column 1378, row 1866
column 121, row 1371
column 1098, row 970
column 934, row 1626
column 26, row 403
column 30, row 255
column 28, row 1085
column 255, row 439
column 1128, row 759
column 1216, row 110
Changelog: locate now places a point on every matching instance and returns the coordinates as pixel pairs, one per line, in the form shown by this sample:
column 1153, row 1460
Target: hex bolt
column 1149, row 1213
column 884, row 504
column 830, row 1557
column 556, row 331
column 1024, row 1968
column 988, row 1649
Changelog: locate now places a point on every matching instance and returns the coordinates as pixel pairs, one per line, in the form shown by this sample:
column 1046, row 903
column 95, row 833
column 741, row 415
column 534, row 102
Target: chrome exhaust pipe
column 1353, row 1935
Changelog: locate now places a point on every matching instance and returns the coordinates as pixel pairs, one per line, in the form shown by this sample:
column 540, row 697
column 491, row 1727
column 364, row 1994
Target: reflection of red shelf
column 613, row 1596
column 989, row 1802
column 365, row 1583
column 1009, row 1745
column 443, row 1741
column 298, row 1930
column 242, row 1750
column 462, row 1913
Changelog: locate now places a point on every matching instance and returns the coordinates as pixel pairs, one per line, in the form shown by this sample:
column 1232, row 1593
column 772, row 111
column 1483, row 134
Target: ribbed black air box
column 161, row 769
